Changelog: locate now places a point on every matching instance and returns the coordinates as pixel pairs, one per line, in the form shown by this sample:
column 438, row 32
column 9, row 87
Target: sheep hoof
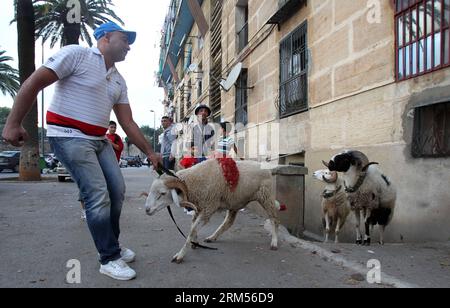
column 177, row 261
column 367, row 242
column 194, row 246
column 381, row 243
column 273, row 248
column 359, row 242
column 210, row 240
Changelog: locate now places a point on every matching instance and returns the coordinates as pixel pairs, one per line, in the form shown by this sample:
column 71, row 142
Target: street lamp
column 154, row 129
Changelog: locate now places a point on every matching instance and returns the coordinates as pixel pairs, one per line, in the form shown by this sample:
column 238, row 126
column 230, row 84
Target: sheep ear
column 176, row 184
column 176, row 199
column 326, row 164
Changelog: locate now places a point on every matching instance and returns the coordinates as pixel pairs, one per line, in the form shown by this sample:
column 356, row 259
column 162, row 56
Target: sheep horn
column 368, row 165
column 173, row 183
column 326, row 164
column 360, row 158
column 189, row 205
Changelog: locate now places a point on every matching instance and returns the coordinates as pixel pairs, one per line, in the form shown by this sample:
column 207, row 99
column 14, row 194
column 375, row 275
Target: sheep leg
column 269, row 206
column 327, row 228
column 194, row 233
column 367, row 215
column 357, row 227
column 266, row 200
column 227, row 223
column 382, row 228
column 336, row 240
column 275, row 225
column 178, row 258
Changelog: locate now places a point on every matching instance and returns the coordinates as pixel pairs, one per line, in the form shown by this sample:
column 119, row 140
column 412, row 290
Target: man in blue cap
column 88, row 88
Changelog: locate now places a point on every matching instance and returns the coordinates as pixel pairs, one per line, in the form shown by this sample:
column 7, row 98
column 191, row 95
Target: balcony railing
column 286, row 8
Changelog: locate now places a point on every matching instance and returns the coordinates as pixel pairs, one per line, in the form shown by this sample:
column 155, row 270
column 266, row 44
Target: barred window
column 182, row 112
column 242, row 24
column 431, row 136
column 241, row 113
column 293, row 74
column 422, row 37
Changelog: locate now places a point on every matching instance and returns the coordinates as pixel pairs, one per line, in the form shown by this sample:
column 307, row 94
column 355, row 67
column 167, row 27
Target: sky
column 143, row 16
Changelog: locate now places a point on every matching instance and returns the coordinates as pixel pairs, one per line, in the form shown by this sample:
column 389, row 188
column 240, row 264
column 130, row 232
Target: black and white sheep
column 205, row 189
column 335, row 205
column 369, row 191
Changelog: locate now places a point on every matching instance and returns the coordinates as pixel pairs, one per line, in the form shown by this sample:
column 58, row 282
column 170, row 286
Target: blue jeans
column 168, row 164
column 93, row 166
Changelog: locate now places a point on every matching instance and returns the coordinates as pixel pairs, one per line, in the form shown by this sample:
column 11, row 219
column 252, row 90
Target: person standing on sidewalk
column 115, row 139
column 203, row 134
column 88, row 88
column 167, row 143
column 226, row 143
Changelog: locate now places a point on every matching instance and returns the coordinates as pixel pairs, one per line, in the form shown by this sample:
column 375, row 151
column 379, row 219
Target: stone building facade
column 323, row 76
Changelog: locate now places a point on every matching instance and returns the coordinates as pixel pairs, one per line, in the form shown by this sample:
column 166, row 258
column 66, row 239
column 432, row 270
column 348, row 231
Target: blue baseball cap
column 113, row 27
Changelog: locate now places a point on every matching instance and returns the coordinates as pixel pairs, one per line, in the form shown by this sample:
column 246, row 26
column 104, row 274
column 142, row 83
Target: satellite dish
column 232, row 77
column 193, row 67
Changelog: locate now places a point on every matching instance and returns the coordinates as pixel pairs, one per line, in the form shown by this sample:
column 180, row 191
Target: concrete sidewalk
column 425, row 265
column 40, row 230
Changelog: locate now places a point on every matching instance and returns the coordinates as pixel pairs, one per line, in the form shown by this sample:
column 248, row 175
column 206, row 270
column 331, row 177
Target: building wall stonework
column 354, row 103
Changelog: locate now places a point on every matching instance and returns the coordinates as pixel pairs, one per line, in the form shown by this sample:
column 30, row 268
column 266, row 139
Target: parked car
column 123, row 163
column 133, row 161
column 51, row 161
column 10, row 160
column 62, row 172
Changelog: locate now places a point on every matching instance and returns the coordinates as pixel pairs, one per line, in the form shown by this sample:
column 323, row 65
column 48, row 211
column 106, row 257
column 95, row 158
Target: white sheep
column 335, row 205
column 369, row 191
column 204, row 189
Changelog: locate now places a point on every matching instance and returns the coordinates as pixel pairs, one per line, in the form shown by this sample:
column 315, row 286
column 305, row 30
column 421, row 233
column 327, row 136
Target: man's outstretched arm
column 125, row 117
column 13, row 132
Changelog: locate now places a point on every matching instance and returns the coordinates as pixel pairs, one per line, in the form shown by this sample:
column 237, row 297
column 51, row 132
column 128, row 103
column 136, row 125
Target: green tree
column 148, row 133
column 9, row 76
column 57, row 19
column 4, row 113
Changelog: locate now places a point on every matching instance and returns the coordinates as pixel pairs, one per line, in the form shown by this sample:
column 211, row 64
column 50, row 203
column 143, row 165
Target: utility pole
column 42, row 109
column 154, row 129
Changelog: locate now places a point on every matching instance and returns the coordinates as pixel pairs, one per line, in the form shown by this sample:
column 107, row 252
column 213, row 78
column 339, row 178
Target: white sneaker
column 118, row 270
column 83, row 215
column 127, row 255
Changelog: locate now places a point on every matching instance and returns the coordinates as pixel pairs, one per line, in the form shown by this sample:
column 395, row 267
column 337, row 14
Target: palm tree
column 9, row 77
column 52, row 22
column 29, row 159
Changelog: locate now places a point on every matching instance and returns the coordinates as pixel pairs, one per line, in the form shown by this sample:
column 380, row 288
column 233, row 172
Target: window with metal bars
column 241, row 111
column 182, row 110
column 422, row 37
column 431, row 136
column 294, row 73
column 215, row 97
column 189, row 95
column 242, row 24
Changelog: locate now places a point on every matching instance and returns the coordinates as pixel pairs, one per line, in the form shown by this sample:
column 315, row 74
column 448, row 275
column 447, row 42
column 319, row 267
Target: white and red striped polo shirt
column 84, row 95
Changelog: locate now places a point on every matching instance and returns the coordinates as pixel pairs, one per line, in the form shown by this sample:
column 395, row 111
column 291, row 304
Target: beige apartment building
column 319, row 77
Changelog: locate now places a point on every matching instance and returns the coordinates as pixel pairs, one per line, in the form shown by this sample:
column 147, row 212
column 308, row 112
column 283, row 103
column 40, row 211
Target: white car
column 123, row 163
column 62, row 172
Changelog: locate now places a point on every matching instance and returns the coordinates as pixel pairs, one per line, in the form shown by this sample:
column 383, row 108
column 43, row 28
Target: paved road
column 41, row 230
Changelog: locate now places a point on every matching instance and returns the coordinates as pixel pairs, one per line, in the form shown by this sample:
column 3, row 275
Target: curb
column 338, row 260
